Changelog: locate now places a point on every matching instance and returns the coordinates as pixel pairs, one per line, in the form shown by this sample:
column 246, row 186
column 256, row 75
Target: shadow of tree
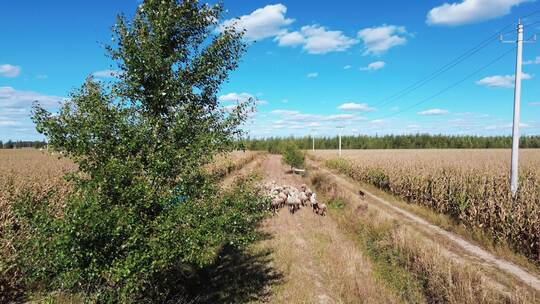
column 237, row 277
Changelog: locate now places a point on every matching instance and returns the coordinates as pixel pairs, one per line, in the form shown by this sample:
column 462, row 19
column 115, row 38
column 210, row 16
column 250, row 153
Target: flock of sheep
column 293, row 198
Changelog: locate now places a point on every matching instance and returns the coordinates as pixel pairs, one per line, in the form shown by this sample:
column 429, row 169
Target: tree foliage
column 22, row 144
column 417, row 141
column 140, row 142
column 292, row 156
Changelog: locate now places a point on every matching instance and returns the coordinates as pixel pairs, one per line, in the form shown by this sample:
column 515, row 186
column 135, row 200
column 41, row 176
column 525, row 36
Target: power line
column 533, row 23
column 452, row 85
column 467, row 54
column 530, row 14
column 437, row 74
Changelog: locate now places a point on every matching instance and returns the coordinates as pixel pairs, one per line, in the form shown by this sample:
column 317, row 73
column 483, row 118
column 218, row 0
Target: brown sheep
column 361, row 194
column 276, row 204
column 321, row 209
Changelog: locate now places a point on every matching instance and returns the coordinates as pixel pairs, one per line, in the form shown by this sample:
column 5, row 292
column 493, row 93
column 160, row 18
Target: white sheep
column 293, row 202
column 303, row 198
column 313, row 202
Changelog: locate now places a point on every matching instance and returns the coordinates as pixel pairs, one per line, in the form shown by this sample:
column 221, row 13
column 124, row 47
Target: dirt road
column 322, row 263
column 319, row 262
column 501, row 271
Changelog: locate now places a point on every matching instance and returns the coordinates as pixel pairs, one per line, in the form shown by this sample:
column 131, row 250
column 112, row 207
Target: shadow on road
column 238, row 276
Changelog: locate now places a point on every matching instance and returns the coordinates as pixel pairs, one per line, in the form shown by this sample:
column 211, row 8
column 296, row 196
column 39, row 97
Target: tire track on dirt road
column 467, row 253
column 320, row 262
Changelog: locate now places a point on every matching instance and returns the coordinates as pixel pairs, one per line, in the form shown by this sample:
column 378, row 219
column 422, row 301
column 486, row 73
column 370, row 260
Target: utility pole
column 514, row 171
column 340, row 128
column 339, row 144
column 313, row 139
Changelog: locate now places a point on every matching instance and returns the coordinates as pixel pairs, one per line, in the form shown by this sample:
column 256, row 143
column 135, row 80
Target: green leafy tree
column 292, row 156
column 141, row 143
column 9, row 144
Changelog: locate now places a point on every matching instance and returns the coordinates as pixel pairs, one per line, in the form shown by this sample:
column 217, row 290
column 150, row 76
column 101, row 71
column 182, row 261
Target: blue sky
column 313, row 65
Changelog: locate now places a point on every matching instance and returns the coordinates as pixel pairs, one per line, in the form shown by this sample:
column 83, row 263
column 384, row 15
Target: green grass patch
column 336, row 204
column 388, row 263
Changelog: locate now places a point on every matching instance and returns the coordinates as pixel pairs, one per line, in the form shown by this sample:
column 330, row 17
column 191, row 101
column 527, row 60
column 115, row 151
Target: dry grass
column 319, row 262
column 34, row 170
column 411, row 264
column 26, row 171
column 40, row 173
column 489, row 159
column 470, row 186
column 225, row 164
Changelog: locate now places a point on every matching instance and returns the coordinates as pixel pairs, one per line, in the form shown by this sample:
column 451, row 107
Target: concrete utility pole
column 340, row 128
column 313, row 139
column 517, row 98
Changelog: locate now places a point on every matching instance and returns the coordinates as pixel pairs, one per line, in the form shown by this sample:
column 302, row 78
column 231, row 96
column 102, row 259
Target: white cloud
column 11, row 98
column 501, row 81
column 285, row 112
column 8, row 70
column 319, row 40
column 347, row 67
column 506, row 126
column 290, row 39
column 229, row 108
column 378, row 40
column 41, row 76
column 470, row 11
column 433, row 112
column 241, row 98
column 377, row 65
column 262, row 23
column 270, row 21
column 106, row 74
column 316, row 39
column 414, row 127
column 340, row 117
column 352, row 106
column 234, row 97
column 296, row 116
column 534, row 61
column 15, row 108
column 312, row 75
column 9, row 123
column 378, row 122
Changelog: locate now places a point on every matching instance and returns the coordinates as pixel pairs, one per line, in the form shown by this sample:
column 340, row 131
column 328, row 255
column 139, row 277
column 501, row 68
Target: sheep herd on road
column 293, row 198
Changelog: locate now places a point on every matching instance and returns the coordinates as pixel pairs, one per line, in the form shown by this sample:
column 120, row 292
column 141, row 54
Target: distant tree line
column 22, row 144
column 418, row 141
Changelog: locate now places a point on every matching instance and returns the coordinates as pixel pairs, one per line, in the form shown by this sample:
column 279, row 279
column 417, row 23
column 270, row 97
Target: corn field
column 224, row 164
column 40, row 175
column 471, row 186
